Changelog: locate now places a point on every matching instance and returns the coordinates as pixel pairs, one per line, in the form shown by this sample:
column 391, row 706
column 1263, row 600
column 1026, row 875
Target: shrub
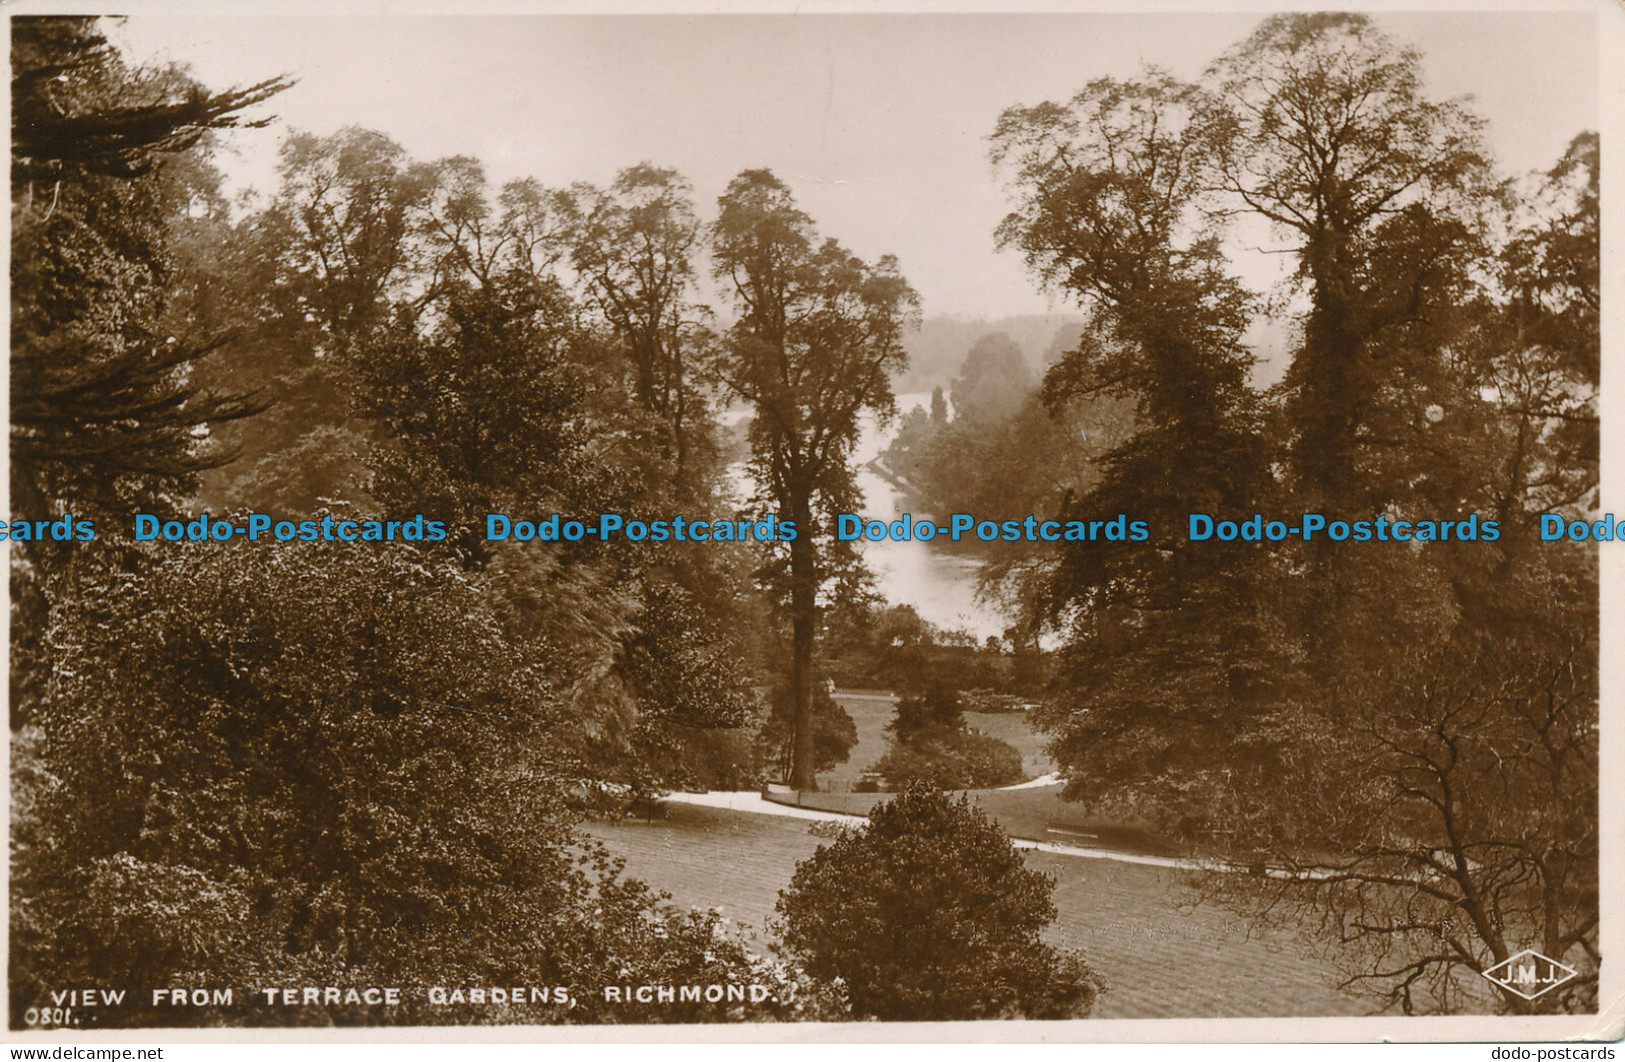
column 931, row 745
column 957, row 759
column 929, row 914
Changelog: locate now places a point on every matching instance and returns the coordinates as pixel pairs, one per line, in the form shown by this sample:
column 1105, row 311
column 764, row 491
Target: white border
column 1609, row 1024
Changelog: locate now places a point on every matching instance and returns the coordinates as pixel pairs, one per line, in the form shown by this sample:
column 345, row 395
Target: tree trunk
column 1334, row 392
column 803, row 620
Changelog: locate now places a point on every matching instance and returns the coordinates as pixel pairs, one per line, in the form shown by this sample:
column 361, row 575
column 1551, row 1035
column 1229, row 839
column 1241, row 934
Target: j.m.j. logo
column 1529, row 973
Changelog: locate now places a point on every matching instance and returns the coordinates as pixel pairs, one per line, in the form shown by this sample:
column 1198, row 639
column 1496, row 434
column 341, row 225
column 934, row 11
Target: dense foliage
column 933, row 746
column 928, row 913
column 818, row 337
column 321, row 766
column 345, row 763
column 1334, row 708
column 867, row 645
column 833, row 732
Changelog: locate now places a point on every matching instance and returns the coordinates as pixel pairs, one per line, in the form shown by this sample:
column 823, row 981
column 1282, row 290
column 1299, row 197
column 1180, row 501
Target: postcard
column 813, row 523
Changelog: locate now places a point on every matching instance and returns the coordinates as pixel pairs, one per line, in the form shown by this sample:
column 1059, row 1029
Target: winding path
column 752, row 802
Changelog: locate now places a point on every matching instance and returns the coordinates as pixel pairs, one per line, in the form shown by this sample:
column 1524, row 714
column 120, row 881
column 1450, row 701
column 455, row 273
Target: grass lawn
column 871, row 713
column 1013, row 727
column 1161, row 957
column 711, row 857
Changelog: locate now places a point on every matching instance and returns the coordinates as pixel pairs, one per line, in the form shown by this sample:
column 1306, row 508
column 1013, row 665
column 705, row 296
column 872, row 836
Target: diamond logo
column 1530, row 974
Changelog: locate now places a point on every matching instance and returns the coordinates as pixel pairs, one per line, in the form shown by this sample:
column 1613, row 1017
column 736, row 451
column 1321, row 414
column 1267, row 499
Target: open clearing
column 1012, row 727
column 1161, row 957
column 1035, row 814
column 870, row 712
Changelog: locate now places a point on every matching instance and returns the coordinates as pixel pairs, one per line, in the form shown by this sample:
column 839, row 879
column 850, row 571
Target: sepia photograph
column 810, row 521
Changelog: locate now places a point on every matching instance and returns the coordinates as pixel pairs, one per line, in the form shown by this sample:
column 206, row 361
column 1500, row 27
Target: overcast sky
column 879, row 123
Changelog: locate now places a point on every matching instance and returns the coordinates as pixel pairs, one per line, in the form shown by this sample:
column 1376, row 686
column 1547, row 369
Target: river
column 941, row 586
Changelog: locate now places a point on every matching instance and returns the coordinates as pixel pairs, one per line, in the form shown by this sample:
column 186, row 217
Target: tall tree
column 819, row 333
column 109, row 405
column 105, row 410
column 1108, row 190
column 1108, row 211
column 1539, row 350
column 320, row 270
column 348, row 205
column 634, row 246
column 488, row 392
column 1288, row 702
column 1322, row 126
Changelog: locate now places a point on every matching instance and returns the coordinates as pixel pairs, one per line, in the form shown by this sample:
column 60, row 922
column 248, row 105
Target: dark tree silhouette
column 929, row 914
column 819, row 335
column 104, row 410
